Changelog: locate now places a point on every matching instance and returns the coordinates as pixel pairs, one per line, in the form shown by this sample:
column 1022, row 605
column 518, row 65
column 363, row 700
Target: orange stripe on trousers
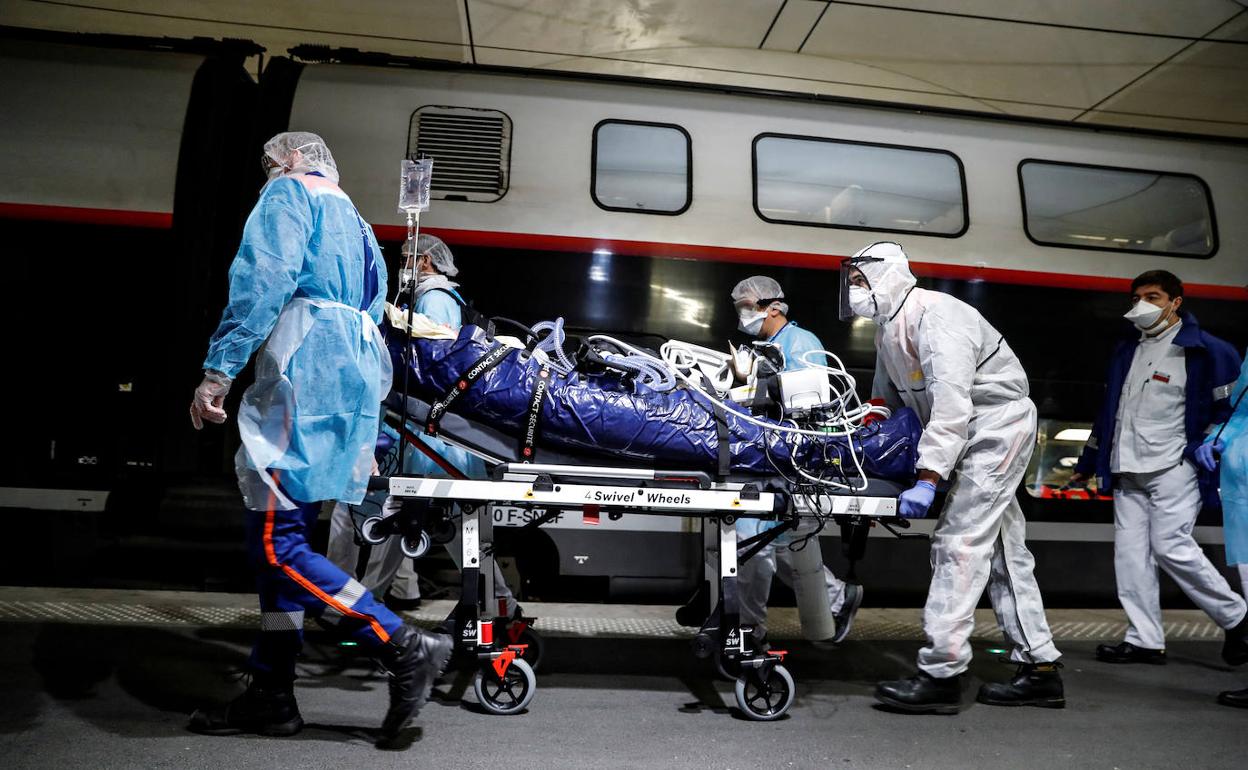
column 271, row 555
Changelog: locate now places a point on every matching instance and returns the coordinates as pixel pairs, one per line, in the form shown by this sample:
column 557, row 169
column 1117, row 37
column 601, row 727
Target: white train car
column 620, row 205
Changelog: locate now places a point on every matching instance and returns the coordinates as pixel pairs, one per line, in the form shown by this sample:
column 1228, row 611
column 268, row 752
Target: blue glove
column 914, row 502
column 1205, row 454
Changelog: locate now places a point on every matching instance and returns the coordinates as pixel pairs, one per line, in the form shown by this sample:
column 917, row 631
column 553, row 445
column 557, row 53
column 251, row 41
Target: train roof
column 1178, row 67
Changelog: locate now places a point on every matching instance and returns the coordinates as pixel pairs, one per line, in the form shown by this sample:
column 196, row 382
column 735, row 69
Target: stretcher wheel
column 509, row 694
column 534, row 647
column 767, row 700
column 416, row 547
column 369, row 531
column 727, row 669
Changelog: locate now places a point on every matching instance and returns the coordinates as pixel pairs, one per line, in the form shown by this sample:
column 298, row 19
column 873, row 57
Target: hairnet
column 760, row 287
column 439, row 254
column 312, row 154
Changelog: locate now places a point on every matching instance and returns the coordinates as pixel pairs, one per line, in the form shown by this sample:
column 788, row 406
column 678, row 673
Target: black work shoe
column 1126, row 652
column 414, row 659
column 259, row 710
column 1034, row 684
column 849, row 608
column 1235, row 649
column 1236, row 698
column 922, row 694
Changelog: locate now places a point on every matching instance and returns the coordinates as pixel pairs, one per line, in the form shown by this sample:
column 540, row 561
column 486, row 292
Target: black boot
column 922, row 694
column 414, row 659
column 261, row 710
column 1236, row 698
column 1235, row 649
column 1126, row 652
column 1034, row 684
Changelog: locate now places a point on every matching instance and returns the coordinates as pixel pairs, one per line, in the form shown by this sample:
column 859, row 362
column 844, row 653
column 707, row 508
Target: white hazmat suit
column 938, row 356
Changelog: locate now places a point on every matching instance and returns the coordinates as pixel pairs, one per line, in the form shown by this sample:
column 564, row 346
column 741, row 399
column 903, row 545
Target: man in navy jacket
column 1165, row 387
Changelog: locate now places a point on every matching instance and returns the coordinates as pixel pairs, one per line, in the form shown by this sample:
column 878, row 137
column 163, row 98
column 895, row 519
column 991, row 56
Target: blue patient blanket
column 603, row 414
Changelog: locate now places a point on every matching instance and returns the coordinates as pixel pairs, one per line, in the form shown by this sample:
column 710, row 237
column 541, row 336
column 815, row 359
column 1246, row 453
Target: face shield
column 856, row 298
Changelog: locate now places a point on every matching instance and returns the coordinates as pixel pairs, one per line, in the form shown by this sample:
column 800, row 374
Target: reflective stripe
column 350, row 593
column 1223, row 391
column 331, row 616
column 1092, row 443
column 281, row 621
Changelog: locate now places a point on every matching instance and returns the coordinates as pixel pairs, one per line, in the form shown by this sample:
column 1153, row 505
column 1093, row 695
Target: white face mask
column 861, row 301
column 751, row 321
column 405, row 276
column 1145, row 315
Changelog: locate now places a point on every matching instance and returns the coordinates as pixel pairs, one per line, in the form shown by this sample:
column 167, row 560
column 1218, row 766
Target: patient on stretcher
column 673, row 409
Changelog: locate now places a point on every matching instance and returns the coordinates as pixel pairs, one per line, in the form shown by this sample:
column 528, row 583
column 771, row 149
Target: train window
column 801, row 180
column 1058, row 446
column 646, row 168
column 1117, row 209
column 471, row 151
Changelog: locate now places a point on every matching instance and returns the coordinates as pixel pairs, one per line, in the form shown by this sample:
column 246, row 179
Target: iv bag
column 414, row 179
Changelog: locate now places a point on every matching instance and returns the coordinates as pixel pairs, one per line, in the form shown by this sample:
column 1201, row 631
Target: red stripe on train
column 158, row 220
column 537, row 242
column 792, row 259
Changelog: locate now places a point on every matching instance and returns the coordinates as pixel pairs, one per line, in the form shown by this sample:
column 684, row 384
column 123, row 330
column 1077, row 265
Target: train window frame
column 966, row 204
column 1213, row 217
column 593, row 167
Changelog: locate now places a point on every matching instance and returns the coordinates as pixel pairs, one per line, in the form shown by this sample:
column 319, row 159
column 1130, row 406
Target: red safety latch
column 589, row 514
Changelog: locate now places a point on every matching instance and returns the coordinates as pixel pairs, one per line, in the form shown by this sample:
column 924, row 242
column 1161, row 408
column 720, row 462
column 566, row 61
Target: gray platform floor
column 85, row 691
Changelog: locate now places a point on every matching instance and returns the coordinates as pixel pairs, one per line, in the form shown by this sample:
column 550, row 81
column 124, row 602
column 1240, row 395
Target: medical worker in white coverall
column 938, row 356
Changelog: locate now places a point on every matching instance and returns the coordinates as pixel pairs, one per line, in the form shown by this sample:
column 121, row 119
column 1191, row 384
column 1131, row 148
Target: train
column 619, row 204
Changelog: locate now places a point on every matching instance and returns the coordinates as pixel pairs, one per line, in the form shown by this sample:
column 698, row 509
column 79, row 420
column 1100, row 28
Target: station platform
column 105, row 678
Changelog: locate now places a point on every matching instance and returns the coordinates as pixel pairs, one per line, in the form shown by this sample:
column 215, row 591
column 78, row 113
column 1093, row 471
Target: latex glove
column 209, row 397
column 915, row 501
column 1206, row 454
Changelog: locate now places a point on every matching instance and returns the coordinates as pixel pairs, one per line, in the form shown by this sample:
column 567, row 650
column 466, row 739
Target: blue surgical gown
column 795, row 341
column 307, row 284
column 1234, row 474
column 443, row 309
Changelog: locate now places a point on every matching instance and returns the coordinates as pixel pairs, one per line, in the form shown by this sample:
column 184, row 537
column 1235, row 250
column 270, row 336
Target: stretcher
column 505, row 681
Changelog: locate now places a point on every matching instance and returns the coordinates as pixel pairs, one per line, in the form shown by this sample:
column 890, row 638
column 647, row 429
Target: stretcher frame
column 764, row 688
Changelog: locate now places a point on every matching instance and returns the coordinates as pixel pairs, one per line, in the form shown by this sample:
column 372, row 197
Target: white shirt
column 1149, row 433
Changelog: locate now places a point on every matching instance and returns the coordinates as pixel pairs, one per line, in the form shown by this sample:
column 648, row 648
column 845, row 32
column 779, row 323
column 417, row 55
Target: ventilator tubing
column 812, row 592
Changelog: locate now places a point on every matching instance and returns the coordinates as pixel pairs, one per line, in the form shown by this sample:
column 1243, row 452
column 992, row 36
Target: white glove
column 209, row 397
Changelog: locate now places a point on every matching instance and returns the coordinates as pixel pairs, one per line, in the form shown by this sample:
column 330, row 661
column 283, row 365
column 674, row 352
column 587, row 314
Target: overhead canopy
column 1174, row 65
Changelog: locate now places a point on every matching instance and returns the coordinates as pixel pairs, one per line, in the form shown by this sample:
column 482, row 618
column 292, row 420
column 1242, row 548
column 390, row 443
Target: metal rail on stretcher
column 764, row 688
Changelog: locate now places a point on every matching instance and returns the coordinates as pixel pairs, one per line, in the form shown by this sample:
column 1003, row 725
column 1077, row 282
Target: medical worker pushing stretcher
column 306, row 290
column 938, row 356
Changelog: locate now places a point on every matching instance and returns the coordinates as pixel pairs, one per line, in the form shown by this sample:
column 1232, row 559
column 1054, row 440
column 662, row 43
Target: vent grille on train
column 471, row 151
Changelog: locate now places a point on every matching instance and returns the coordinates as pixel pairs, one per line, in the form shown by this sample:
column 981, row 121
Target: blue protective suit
column 794, row 341
column 307, row 283
column 442, row 308
column 1234, row 473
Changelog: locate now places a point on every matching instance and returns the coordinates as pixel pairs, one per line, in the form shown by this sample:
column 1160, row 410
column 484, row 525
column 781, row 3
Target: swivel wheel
column 765, row 699
column 507, row 694
column 416, row 547
column 534, row 644
column 372, row 530
column 727, row 668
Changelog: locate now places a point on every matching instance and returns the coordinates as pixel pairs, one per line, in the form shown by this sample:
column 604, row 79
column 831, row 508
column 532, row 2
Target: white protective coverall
column 938, row 356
